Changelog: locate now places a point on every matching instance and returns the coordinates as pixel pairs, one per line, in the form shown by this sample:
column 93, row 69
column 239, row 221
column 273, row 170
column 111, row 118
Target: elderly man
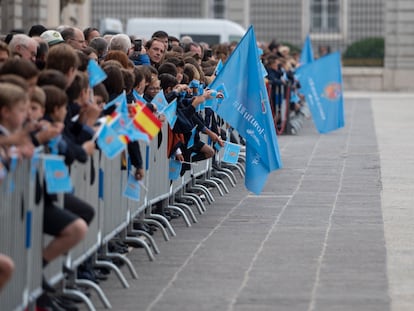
column 24, row 46
column 74, row 37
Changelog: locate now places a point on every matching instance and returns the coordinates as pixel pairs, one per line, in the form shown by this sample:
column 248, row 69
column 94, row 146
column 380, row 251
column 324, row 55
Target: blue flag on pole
column 109, row 142
column 132, row 190
column 159, row 101
column 116, row 101
column 95, row 73
column 56, row 175
column 231, row 153
column 321, row 83
column 246, row 108
column 175, row 169
column 170, row 113
column 306, row 56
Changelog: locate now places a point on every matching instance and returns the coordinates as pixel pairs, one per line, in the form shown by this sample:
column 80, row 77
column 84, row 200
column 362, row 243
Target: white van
column 110, row 26
column 212, row 31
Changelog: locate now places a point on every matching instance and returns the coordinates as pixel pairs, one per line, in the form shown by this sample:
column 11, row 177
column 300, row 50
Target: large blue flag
column 246, row 108
column 306, row 55
column 321, row 83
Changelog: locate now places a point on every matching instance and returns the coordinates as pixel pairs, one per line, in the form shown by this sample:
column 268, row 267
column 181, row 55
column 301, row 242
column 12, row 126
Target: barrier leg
column 80, row 295
column 143, row 244
column 97, row 289
column 126, row 260
column 212, row 183
column 219, row 181
column 193, row 197
column 181, row 212
column 164, row 221
column 158, row 225
column 150, row 239
column 188, row 209
column 205, row 191
column 111, row 266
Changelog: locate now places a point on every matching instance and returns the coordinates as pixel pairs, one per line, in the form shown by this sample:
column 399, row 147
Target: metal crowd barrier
column 101, row 185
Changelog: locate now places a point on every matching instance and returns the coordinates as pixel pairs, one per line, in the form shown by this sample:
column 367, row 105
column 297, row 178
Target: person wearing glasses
column 24, row 47
column 74, row 37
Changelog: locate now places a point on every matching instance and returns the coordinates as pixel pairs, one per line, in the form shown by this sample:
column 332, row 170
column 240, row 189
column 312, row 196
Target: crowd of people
column 46, row 100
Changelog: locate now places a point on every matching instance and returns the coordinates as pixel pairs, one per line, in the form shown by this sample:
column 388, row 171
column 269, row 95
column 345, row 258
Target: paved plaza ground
column 332, row 230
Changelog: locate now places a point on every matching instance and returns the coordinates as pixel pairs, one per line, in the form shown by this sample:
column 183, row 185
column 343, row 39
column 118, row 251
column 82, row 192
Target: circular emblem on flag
column 332, row 91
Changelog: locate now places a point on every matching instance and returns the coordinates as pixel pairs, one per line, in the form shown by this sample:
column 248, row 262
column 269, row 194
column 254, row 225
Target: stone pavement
column 331, row 231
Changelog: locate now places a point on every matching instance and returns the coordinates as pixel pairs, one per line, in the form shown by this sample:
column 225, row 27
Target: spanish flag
column 146, row 121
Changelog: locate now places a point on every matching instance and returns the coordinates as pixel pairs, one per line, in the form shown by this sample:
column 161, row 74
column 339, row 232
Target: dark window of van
column 210, row 39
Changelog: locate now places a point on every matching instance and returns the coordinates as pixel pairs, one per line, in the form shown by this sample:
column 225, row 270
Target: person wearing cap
column 52, row 37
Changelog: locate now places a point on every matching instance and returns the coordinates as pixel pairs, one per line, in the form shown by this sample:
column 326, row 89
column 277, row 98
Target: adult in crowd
column 74, row 37
column 23, row 46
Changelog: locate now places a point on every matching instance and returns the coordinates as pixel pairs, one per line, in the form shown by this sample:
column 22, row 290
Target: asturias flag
column 246, row 108
column 321, row 83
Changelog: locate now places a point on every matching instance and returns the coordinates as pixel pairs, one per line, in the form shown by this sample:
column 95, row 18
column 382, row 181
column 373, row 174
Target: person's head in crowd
column 4, row 52
column 55, row 104
column 196, row 48
column 107, row 38
column 42, row 50
column 100, row 95
column 139, row 81
column 167, row 82
column 52, row 37
column 74, row 37
column 284, row 51
column 168, row 67
column 100, row 46
column 114, row 82
column 90, row 32
column 52, row 77
column 232, row 46
column 79, row 92
column 162, row 36
column 152, row 89
column 23, row 68
column 91, row 53
column 155, row 50
column 14, row 79
column 173, row 41
column 129, row 80
column 24, row 46
column 273, row 46
column 64, row 58
column 179, row 64
column 120, row 42
column 220, row 52
column 37, row 104
column 186, row 40
column 119, row 56
column 13, row 107
column 177, row 50
column 83, row 61
column 111, row 62
column 273, row 62
column 36, row 30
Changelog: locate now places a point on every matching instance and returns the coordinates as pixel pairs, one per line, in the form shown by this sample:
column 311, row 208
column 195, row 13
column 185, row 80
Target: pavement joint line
column 271, row 230
column 312, row 302
column 191, row 256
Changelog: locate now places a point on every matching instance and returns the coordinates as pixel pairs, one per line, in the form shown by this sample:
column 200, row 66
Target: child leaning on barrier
column 14, row 104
